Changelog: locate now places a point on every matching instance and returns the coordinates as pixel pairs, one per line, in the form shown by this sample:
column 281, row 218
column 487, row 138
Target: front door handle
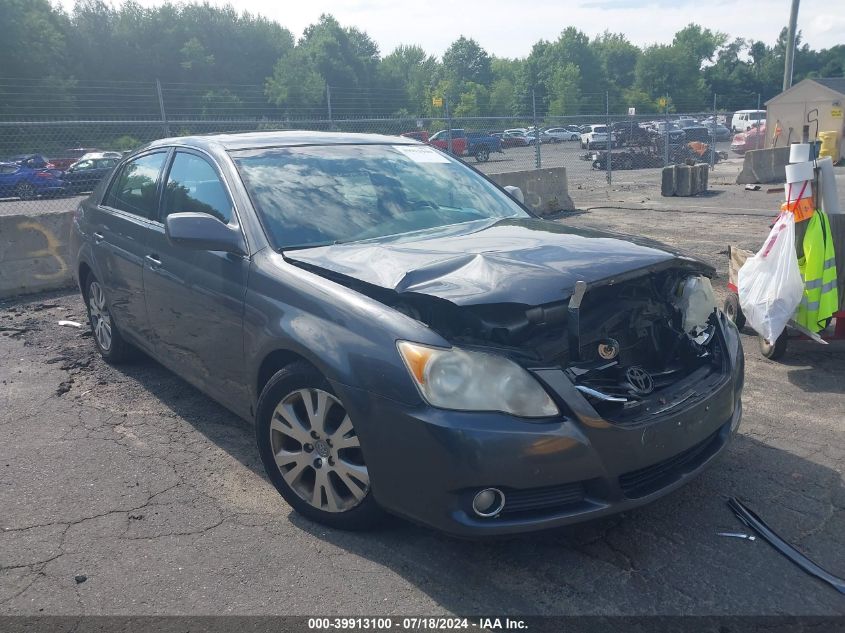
column 153, row 260
column 98, row 237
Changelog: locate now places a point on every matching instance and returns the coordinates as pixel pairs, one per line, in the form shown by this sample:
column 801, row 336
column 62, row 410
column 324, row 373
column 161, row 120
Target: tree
column 466, row 61
column 700, row 44
column 565, row 88
column 618, row 58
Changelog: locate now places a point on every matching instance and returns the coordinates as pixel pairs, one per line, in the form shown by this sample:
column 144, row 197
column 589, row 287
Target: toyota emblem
column 640, row 380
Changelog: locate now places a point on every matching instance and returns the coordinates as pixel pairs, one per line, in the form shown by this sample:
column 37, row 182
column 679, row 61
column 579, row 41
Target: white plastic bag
column 770, row 285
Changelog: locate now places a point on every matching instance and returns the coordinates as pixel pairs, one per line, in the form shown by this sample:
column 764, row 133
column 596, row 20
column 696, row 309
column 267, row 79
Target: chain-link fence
column 54, row 149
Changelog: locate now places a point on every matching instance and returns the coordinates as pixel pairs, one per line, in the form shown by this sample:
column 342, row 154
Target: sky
column 508, row 28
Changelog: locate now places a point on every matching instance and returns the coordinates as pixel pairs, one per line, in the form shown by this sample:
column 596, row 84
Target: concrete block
column 34, row 253
column 763, row 166
column 684, row 181
column 545, row 190
column 703, row 178
column 667, row 184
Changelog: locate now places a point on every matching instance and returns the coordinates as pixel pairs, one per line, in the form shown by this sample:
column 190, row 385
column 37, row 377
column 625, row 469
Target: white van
column 744, row 120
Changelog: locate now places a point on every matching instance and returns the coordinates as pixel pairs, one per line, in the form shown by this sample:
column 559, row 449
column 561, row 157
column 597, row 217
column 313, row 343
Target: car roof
column 260, row 140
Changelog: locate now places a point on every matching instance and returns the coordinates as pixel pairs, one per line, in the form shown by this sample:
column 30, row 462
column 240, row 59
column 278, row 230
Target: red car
column 755, row 138
column 420, row 135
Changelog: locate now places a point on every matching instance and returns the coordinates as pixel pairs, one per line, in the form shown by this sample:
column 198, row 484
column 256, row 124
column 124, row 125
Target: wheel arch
column 275, row 361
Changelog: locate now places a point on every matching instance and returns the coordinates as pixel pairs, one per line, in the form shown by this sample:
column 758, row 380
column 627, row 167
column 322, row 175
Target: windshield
column 318, row 195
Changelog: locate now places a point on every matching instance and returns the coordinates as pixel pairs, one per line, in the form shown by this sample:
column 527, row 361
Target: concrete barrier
column 685, row 180
column 764, row 166
column 34, row 253
column 545, row 190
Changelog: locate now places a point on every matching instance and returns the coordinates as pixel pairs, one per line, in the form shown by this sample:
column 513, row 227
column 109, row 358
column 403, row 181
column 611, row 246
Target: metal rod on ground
column 161, row 108
column 713, row 137
column 609, row 137
column 537, row 159
column 329, row 105
column 789, row 59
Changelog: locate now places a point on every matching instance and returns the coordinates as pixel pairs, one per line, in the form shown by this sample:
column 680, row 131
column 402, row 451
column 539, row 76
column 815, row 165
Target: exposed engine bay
column 623, row 346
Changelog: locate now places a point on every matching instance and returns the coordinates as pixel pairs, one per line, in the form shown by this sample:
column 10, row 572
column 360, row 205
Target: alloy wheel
column 26, row 191
column 100, row 319
column 317, row 451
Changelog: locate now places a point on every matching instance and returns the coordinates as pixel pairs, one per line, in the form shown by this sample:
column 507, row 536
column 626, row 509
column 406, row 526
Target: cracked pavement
column 125, row 491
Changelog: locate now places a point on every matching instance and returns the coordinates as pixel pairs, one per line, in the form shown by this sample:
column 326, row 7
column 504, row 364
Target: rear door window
column 135, row 189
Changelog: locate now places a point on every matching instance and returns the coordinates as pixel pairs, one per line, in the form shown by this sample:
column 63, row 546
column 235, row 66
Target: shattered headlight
column 475, row 381
column 696, row 301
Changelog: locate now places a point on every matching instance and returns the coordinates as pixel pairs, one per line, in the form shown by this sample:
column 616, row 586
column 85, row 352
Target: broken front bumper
column 427, row 464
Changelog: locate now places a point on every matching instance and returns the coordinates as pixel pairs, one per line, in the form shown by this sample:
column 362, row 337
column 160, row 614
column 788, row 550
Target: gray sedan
column 406, row 336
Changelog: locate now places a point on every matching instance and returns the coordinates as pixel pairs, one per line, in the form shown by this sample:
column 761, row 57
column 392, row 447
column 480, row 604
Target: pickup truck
column 478, row 144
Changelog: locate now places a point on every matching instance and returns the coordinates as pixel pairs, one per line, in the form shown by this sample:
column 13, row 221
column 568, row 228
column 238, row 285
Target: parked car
column 477, row 144
column 630, row 133
column 19, row 180
column 84, row 174
column 755, row 138
column 117, row 155
column 544, row 138
column 515, row 139
column 481, row 145
column 407, row 337
column 70, row 156
column 744, row 120
column 719, row 131
column 597, row 136
column 32, row 161
column 440, row 140
column 420, row 135
column 697, row 133
column 562, row 134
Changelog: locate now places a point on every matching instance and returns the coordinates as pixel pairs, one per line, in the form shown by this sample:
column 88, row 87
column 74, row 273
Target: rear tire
column 107, row 338
column 311, row 452
column 26, row 191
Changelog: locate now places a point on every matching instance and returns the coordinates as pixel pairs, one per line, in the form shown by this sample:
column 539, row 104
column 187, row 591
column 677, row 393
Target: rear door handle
column 153, row 260
column 98, row 237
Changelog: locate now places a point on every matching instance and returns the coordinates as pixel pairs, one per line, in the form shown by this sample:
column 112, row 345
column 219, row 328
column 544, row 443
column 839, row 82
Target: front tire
column 482, row 155
column 107, row 338
column 311, row 452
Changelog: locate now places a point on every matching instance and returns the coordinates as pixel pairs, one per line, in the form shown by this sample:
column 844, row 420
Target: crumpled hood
column 527, row 261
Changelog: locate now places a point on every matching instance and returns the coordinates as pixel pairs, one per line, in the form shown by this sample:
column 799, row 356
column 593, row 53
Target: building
column 807, row 108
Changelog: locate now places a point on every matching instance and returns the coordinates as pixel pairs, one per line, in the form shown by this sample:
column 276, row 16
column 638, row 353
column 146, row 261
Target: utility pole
column 161, row 108
column 537, row 161
column 329, row 105
column 448, row 124
column 789, row 58
column 666, row 130
column 713, row 135
column 609, row 138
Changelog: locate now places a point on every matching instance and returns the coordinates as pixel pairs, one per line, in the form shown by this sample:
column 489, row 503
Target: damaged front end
column 635, row 346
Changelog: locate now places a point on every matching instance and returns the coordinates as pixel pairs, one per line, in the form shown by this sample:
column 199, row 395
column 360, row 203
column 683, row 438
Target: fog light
column 489, row 502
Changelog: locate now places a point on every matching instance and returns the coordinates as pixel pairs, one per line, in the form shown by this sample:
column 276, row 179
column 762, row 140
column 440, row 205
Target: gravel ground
column 125, row 491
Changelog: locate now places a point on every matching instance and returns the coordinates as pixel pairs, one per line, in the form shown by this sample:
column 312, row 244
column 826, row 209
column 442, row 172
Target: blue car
column 20, row 180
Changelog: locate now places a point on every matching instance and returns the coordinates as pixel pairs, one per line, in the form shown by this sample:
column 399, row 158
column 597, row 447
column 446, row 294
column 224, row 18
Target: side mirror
column 515, row 192
column 203, row 232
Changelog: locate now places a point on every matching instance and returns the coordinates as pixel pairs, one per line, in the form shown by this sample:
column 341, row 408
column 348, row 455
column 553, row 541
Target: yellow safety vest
column 818, row 269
